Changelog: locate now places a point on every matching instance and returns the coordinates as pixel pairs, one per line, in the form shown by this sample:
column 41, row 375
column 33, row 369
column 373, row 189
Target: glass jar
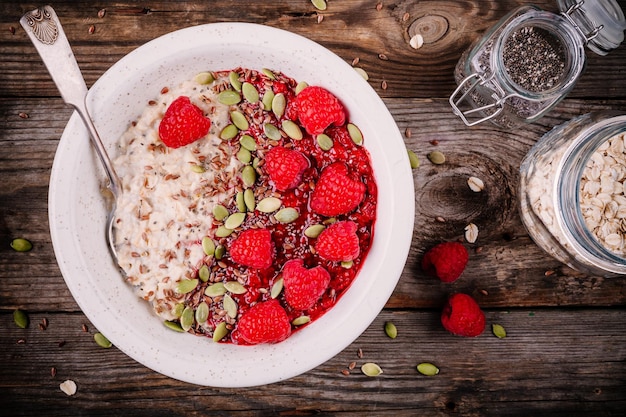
column 573, row 193
column 531, row 59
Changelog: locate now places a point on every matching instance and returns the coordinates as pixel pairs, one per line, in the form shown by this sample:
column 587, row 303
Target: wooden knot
column 431, row 27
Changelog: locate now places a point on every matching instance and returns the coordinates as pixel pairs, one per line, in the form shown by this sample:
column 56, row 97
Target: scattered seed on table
column 405, row 17
column 498, row 331
column 434, row 142
column 355, row 61
column 407, row 132
column 68, row 387
column 12, row 30
column 379, row 6
column 102, row 13
column 20, row 318
column 383, row 57
column 92, row 29
column 416, row 41
column 23, row 115
column 345, row 372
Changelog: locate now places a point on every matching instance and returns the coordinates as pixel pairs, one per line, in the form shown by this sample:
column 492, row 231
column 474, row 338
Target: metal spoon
column 44, row 30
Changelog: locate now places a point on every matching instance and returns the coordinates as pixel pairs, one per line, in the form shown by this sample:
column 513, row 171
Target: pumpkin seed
column 239, row 120
column 204, row 78
column 220, row 251
column 204, row 274
column 279, row 103
column 255, row 162
column 362, row 73
column 268, row 73
column 268, row 97
column 436, row 157
column 287, row 215
column 220, row 212
column 248, row 175
column 102, row 341
column 248, row 198
column 371, row 369
column 229, row 132
column 427, row 369
column 244, row 156
column 347, row 264
column 235, row 287
column 319, row 4
column 250, row 92
column 498, row 331
column 269, row 204
column 391, row 330
column 240, row 201
column 20, row 318
column 271, row 131
column 186, row 320
column 177, row 311
column 413, row 159
column 215, row 290
column 197, row 169
column 21, row 245
column 301, row 86
column 355, row 134
column 248, row 142
column 277, row 287
column 186, row 286
column 173, row 325
column 325, row 142
column 223, row 231
column 314, row 230
column 330, row 220
column 230, row 306
column 229, row 97
column 299, row 321
column 202, row 312
column 233, row 77
column 219, row 332
column 208, row 246
column 292, row 130
column 234, row 220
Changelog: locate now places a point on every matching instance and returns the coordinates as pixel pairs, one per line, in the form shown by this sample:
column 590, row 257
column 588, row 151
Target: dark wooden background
column 565, row 354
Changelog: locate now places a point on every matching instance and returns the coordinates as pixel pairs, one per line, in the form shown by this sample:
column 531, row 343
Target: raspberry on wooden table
column 462, row 316
column 445, row 261
column 183, row 123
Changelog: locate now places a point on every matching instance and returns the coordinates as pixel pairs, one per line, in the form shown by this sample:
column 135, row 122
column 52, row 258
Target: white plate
column 77, row 210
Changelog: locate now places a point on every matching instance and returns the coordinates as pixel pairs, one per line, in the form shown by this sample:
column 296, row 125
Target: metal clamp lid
column 476, row 80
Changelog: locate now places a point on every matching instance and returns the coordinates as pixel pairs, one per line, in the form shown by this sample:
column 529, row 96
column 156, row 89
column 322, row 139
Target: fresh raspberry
column 335, row 192
column 183, row 123
column 265, row 322
column 253, row 248
column 462, row 316
column 303, row 287
column 318, row 108
column 445, row 261
column 285, row 167
column 339, row 242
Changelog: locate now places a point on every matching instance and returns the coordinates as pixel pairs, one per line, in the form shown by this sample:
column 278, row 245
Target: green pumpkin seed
column 314, row 230
column 215, row 290
column 498, row 331
column 229, row 132
column 413, row 159
column 208, row 246
column 234, row 220
column 204, row 78
column 287, row 215
column 355, row 134
column 436, row 157
column 233, row 77
column 371, row 369
column 230, row 306
column 248, row 142
column 325, row 142
column 204, row 274
column 255, row 162
column 177, row 311
column 277, row 287
column 250, row 92
column 269, row 204
column 223, row 231
column 301, row 86
column 319, row 4
column 268, row 73
column 220, row 331
column 271, row 131
column 220, row 212
column 299, row 321
column 292, row 130
column 330, row 220
column 347, row 264
column 102, row 341
column 229, row 97
column 202, row 312
column 235, row 287
column 239, row 120
column 427, row 369
column 186, row 286
column 173, row 325
column 244, row 156
column 220, row 251
column 279, row 103
column 197, row 169
column 240, row 200
column 20, row 318
column 21, row 245
column 391, row 330
column 248, row 198
column 248, row 175
column 268, row 97
column 186, row 320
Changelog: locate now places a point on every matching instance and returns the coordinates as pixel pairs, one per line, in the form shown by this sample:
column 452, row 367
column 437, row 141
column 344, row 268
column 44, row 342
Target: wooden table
column 565, row 353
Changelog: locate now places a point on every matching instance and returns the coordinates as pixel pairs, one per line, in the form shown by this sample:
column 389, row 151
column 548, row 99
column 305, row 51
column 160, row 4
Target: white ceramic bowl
column 77, row 210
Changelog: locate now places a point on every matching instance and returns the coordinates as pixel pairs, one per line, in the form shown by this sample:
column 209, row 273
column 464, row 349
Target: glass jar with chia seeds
column 530, row 60
column 573, row 193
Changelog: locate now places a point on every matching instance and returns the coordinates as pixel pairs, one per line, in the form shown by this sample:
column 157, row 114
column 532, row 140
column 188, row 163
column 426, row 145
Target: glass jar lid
column 600, row 22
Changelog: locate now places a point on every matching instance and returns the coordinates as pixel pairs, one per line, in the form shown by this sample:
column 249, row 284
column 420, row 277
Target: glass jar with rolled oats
column 573, row 193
